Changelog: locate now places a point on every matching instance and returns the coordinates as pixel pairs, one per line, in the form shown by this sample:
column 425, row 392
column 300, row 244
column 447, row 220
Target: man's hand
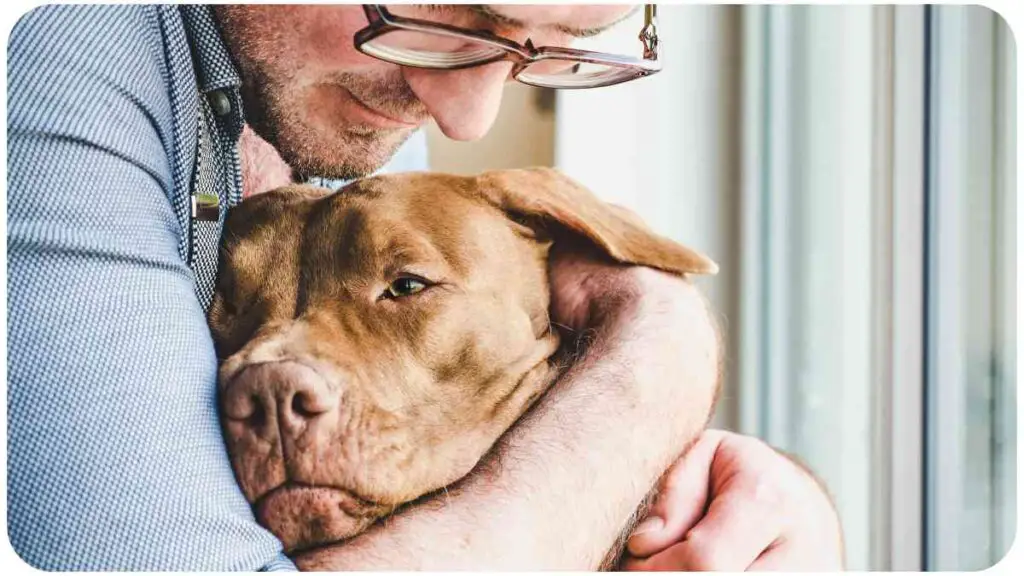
column 734, row 504
column 560, row 486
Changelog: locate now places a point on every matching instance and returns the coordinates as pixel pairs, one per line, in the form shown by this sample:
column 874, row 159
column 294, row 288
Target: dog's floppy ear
column 257, row 267
column 547, row 194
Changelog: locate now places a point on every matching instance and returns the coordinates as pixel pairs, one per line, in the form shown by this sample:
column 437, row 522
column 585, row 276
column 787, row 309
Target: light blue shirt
column 115, row 455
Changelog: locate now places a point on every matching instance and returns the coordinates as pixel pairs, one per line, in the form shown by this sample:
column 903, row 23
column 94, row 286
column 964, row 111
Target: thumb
column 681, row 501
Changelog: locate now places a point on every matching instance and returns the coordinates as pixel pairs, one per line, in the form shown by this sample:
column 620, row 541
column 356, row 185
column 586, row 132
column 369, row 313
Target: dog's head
column 376, row 342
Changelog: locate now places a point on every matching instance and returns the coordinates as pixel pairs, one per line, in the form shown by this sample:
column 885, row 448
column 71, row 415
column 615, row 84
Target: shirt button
column 220, row 103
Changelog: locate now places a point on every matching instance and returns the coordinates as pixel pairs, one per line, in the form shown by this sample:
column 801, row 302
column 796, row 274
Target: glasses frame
column 381, row 22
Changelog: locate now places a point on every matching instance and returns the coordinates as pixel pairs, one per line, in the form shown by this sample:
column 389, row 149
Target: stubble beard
column 274, row 111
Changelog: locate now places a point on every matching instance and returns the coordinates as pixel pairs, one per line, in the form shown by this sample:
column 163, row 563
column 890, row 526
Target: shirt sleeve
column 115, row 454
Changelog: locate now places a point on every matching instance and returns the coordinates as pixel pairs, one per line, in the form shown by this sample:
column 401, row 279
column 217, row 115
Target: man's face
column 331, row 111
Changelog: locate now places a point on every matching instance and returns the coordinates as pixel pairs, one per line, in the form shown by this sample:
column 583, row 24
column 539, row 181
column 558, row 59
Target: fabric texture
column 116, row 119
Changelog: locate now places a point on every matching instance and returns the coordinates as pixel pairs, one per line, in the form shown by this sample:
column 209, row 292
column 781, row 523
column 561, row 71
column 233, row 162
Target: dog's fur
column 342, row 402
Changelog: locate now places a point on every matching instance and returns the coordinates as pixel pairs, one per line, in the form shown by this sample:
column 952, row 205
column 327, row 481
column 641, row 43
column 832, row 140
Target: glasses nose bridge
column 522, row 57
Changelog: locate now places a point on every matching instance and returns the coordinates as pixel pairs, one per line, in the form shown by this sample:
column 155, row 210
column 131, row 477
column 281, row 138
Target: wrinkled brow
column 499, row 18
column 495, row 17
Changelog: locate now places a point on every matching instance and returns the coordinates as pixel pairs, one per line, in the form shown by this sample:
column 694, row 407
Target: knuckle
column 702, row 552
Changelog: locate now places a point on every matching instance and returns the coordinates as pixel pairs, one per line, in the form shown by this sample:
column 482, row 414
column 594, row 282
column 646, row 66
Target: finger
column 665, row 560
column 738, row 527
column 777, row 558
column 681, row 501
column 701, row 551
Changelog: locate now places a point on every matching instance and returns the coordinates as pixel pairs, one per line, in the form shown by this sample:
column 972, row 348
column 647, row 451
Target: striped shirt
column 115, row 455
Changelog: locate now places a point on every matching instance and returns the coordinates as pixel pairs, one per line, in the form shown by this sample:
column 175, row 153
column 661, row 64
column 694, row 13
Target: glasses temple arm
column 649, row 34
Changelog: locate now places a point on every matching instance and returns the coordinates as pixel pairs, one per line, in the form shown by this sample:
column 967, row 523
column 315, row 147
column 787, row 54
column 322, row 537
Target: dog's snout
column 286, row 393
column 310, row 402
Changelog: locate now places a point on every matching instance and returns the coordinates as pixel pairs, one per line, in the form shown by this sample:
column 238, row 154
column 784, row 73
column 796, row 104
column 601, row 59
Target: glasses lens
column 430, row 50
column 557, row 73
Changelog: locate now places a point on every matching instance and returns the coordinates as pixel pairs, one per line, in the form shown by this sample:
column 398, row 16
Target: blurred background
column 852, row 171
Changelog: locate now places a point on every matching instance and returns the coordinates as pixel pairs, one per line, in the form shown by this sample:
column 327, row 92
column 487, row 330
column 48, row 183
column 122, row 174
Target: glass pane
column 1004, row 433
column 813, row 371
column 430, row 50
column 971, row 376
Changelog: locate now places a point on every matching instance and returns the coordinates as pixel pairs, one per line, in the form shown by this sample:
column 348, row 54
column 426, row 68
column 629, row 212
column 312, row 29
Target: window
column 970, row 374
column 852, row 170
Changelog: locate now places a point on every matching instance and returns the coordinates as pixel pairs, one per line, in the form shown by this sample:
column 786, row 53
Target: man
column 124, row 126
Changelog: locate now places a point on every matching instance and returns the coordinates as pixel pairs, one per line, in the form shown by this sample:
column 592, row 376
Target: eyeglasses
column 424, row 44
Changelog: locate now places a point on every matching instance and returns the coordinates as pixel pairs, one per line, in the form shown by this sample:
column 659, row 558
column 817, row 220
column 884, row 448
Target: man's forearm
column 559, row 487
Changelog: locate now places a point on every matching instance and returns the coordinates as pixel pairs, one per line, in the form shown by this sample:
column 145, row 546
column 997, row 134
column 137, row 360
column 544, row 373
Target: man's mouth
column 378, row 118
column 305, row 516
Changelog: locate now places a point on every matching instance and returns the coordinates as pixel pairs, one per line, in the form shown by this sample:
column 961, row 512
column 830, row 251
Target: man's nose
column 464, row 103
column 278, row 397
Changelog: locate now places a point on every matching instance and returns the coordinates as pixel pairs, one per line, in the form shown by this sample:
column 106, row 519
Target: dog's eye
column 405, row 286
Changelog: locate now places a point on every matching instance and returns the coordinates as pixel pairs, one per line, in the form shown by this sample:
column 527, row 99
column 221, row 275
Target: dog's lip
column 305, row 517
column 358, row 505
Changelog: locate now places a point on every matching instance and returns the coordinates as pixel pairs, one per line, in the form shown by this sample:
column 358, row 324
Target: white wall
column 523, row 135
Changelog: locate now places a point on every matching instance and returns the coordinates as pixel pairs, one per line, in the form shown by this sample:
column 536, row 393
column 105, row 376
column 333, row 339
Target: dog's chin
column 306, row 517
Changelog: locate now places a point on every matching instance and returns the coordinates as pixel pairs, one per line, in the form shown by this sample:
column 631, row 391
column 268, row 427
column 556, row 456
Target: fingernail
column 651, row 524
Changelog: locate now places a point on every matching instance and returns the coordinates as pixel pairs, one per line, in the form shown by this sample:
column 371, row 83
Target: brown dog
column 376, row 342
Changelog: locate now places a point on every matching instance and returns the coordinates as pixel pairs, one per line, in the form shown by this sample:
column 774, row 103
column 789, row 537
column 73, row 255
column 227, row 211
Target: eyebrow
column 498, row 18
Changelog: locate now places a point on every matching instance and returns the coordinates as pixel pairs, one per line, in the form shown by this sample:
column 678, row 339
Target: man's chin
column 356, row 153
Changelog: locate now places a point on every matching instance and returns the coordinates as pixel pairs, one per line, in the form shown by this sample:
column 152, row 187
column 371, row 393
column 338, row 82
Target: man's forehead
column 575, row 19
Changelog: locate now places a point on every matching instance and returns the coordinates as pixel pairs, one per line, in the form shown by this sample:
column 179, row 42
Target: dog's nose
column 285, row 394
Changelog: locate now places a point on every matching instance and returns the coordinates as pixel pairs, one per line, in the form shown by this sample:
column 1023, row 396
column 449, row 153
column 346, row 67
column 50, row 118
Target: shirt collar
column 214, row 68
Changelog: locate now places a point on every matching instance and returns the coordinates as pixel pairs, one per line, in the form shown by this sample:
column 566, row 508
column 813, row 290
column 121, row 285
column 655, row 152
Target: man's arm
column 559, row 487
column 115, row 457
